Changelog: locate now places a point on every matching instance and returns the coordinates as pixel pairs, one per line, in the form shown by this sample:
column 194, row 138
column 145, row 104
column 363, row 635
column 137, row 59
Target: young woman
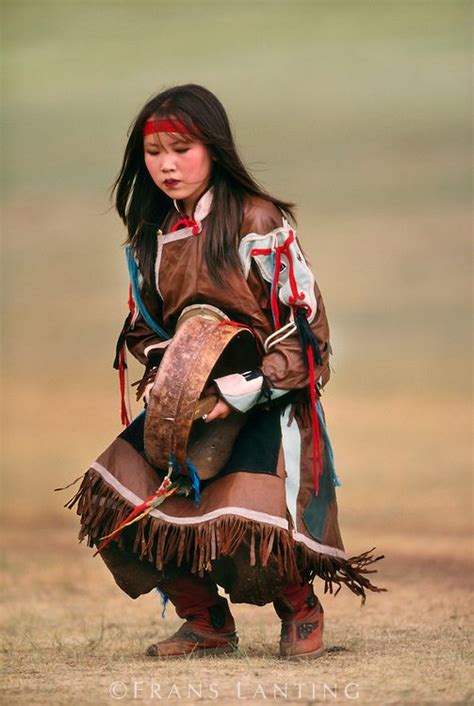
column 202, row 231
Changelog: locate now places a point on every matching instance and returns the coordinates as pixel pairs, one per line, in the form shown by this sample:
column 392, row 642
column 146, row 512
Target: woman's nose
column 167, row 165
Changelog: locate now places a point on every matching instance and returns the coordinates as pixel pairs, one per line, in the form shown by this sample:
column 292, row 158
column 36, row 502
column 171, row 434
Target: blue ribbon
column 193, row 472
column 134, row 273
column 164, row 601
column 328, row 445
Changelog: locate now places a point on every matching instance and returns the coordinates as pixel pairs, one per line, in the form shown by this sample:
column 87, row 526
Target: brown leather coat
column 183, row 279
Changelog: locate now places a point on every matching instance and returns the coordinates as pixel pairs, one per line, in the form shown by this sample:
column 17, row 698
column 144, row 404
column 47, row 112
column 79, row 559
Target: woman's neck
column 187, row 206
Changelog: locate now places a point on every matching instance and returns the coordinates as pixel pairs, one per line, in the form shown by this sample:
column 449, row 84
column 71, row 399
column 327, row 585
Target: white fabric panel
column 291, row 441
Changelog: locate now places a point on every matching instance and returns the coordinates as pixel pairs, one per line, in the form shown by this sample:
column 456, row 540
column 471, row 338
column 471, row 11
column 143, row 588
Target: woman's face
column 179, row 167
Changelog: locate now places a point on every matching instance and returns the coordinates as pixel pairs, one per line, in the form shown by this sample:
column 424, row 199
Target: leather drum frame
column 201, row 349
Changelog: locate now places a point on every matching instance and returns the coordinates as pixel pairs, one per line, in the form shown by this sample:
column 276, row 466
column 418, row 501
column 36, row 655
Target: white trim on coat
column 291, row 442
column 317, row 547
column 163, row 240
column 156, row 346
column 221, row 512
column 240, row 511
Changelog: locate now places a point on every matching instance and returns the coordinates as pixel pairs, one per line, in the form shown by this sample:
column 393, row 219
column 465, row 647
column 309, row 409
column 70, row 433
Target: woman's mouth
column 171, row 183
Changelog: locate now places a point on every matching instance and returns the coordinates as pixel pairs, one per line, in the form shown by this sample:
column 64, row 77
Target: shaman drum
column 206, row 345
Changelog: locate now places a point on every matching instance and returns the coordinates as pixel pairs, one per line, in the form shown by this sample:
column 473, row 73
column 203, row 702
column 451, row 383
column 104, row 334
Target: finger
column 210, row 416
column 215, row 412
column 204, row 406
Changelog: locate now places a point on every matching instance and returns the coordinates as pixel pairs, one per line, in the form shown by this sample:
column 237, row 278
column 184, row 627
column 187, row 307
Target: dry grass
column 69, row 633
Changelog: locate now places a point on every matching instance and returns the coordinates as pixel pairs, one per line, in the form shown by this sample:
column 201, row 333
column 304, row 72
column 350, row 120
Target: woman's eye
column 182, row 151
column 151, row 154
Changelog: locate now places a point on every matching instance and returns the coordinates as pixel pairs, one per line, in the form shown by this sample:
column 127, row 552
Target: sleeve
column 144, row 344
column 143, row 332
column 285, row 364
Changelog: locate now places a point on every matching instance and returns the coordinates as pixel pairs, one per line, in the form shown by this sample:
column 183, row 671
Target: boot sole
column 304, row 655
column 197, row 653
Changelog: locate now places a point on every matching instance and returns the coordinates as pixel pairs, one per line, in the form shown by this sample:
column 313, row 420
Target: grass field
column 360, row 112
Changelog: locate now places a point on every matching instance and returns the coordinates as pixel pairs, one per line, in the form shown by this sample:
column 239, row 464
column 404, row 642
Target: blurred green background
column 358, row 111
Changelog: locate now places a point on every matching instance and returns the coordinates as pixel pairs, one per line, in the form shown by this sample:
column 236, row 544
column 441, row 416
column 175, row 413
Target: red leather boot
column 209, row 628
column 302, row 625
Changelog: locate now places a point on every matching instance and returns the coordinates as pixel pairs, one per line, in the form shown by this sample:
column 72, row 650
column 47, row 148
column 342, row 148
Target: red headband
column 151, row 126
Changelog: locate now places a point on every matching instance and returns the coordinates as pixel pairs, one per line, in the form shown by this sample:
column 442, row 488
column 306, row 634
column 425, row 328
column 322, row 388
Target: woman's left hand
column 220, row 410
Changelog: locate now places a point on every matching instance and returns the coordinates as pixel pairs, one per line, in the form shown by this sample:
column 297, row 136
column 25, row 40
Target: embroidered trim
column 281, row 263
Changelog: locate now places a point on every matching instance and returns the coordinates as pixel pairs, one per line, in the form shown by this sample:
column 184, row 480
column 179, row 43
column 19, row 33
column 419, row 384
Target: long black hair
column 143, row 207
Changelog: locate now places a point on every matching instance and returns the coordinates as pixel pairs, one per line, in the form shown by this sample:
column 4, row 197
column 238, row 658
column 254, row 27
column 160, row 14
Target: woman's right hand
column 221, row 410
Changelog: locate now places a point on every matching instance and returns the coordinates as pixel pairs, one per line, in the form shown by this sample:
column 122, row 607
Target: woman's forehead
column 166, row 139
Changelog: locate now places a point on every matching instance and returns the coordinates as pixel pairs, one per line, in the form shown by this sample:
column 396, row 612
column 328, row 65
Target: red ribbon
column 186, row 222
column 164, row 487
column 125, row 419
column 152, row 126
column 317, row 464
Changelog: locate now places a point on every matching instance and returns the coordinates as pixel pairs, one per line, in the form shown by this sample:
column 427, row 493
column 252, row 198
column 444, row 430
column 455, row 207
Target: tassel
column 120, row 363
column 312, row 355
column 317, row 462
column 121, row 339
column 196, row 483
column 174, row 469
column 125, row 409
column 266, row 392
column 165, row 490
column 164, row 600
column 71, row 483
column 307, row 337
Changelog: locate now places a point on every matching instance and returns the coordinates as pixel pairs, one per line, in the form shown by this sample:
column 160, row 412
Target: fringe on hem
column 101, row 508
